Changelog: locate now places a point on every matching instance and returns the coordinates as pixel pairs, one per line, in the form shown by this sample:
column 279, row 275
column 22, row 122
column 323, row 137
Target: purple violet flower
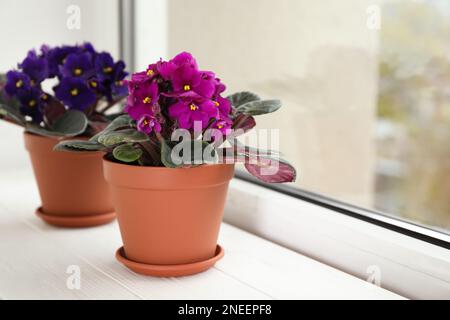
column 104, row 66
column 75, row 93
column 36, row 67
column 31, row 103
column 78, row 65
column 16, row 81
column 56, row 57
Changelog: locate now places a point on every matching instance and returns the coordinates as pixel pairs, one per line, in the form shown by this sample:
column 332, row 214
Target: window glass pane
column 365, row 87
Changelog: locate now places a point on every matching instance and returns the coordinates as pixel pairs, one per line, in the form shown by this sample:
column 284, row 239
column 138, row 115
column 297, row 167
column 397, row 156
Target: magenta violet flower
column 148, row 123
column 188, row 111
column 188, row 81
column 142, row 99
column 223, row 106
column 223, row 126
column 167, row 68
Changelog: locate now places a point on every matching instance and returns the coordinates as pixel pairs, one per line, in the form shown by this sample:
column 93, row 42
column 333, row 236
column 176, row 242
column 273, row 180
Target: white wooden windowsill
column 35, row 257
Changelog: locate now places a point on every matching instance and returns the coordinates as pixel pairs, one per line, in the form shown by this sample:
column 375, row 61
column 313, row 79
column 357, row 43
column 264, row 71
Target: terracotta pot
column 169, row 219
column 73, row 190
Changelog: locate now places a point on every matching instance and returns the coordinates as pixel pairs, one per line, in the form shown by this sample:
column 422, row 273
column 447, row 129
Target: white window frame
column 408, row 266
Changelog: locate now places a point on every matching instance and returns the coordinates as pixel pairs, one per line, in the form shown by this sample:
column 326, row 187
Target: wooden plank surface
column 35, row 258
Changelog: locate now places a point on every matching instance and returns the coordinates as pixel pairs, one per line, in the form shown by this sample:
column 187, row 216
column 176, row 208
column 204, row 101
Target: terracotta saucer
column 76, row 221
column 178, row 270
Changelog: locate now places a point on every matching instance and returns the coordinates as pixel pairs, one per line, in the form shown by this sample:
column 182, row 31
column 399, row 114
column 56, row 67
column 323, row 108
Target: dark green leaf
column 127, row 153
column 116, row 137
column 78, row 145
column 166, row 155
column 113, row 116
column 12, row 113
column 255, row 108
column 118, row 122
column 239, row 98
column 71, row 123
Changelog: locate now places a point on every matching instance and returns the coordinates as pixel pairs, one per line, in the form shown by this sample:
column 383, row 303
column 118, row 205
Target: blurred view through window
column 365, row 87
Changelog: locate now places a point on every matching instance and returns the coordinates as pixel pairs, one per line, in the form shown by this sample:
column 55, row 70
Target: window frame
column 408, row 228
column 408, row 266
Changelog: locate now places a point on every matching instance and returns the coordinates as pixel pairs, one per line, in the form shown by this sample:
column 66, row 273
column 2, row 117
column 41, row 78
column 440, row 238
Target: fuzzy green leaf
column 239, row 98
column 166, row 155
column 256, row 108
column 78, row 145
column 127, row 153
column 113, row 138
column 12, row 113
column 71, row 123
column 118, row 122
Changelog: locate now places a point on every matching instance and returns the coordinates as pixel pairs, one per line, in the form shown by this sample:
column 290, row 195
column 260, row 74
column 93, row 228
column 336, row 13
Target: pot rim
column 53, row 140
column 147, row 177
column 105, row 158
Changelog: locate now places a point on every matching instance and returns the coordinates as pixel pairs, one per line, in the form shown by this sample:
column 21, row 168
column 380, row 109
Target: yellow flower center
column 107, row 69
column 220, row 126
column 44, row 97
column 187, row 87
column 74, row 91
column 150, row 72
column 32, row 103
column 216, row 103
column 145, row 122
column 94, row 84
column 193, row 107
column 77, row 71
column 32, row 82
column 147, row 100
column 19, row 83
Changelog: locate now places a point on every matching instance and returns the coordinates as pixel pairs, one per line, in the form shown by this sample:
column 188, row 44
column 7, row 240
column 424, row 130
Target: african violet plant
column 176, row 96
column 88, row 84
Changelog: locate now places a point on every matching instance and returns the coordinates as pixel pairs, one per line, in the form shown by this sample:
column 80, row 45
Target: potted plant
column 169, row 160
column 86, row 84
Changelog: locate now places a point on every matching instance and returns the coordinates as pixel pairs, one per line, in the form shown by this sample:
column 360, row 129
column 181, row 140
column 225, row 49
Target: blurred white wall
column 27, row 24
column 151, row 32
column 318, row 57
